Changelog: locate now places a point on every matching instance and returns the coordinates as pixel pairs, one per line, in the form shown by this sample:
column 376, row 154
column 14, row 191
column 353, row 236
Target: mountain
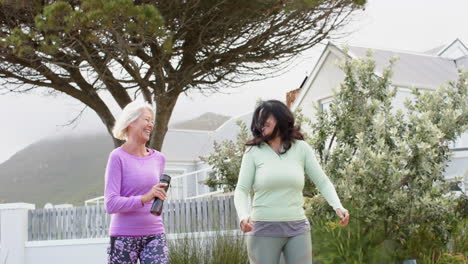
column 69, row 169
column 207, row 121
column 61, row 170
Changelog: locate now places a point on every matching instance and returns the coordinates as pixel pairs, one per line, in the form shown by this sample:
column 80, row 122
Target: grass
column 215, row 248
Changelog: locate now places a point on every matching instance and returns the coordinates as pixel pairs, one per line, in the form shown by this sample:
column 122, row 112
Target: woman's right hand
column 246, row 225
column 156, row 191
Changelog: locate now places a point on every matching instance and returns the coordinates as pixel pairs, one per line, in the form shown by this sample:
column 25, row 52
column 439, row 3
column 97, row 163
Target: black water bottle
column 157, row 206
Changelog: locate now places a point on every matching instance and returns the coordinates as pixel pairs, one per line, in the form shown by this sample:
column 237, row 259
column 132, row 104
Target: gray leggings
column 267, row 250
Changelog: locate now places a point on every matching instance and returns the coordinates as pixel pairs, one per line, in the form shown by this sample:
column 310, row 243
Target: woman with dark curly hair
column 273, row 168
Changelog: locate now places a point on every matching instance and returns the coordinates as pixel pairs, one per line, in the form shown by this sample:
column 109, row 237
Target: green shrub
column 226, row 248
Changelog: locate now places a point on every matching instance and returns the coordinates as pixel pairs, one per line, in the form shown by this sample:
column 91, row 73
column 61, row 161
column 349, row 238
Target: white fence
column 186, row 186
column 191, row 185
column 68, row 223
column 179, row 216
column 79, row 235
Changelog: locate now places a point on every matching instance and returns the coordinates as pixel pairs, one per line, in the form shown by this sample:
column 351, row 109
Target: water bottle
column 157, row 206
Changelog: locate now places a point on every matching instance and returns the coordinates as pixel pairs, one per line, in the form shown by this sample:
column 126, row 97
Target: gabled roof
column 184, row 145
column 456, row 41
column 412, row 69
column 330, row 48
column 435, row 50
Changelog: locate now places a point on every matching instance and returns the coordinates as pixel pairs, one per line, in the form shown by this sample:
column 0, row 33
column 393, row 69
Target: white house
column 183, row 149
column 422, row 70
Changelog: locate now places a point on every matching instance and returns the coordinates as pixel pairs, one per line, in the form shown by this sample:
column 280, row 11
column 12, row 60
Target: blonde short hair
column 130, row 113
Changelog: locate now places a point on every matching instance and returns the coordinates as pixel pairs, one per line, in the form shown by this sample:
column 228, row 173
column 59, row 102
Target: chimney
column 291, row 95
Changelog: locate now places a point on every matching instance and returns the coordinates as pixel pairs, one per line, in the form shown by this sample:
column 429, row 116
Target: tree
column 153, row 49
column 388, row 166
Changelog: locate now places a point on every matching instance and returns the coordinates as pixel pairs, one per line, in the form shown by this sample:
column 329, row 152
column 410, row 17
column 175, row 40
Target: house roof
column 426, row 70
column 436, row 50
column 421, row 70
column 182, row 145
column 412, row 69
column 453, row 43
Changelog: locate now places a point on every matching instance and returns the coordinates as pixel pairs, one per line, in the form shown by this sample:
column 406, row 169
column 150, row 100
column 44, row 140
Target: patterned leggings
column 148, row 249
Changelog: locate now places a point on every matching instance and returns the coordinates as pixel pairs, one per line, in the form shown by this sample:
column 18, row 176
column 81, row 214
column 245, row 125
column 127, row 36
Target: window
column 324, row 104
column 461, row 143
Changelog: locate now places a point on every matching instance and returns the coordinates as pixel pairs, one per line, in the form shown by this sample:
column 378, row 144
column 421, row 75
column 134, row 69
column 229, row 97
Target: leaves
column 387, row 166
column 226, row 160
column 155, row 49
column 385, row 162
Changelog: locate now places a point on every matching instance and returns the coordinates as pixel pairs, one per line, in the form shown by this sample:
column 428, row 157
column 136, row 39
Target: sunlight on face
column 141, row 128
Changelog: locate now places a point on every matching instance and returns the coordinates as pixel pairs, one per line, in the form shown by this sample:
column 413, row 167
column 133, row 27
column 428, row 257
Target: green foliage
column 155, row 50
column 459, row 238
column 458, row 258
column 387, row 166
column 54, row 18
column 226, row 160
column 222, row 248
column 89, row 25
column 20, row 41
column 351, row 245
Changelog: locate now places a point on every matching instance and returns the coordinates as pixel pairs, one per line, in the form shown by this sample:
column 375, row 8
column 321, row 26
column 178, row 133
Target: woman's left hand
column 344, row 217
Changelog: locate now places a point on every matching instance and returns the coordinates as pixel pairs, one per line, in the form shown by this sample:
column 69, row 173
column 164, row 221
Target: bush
column 221, row 248
column 388, row 168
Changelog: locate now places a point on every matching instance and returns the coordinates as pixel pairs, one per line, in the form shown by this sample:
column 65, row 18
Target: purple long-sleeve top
column 128, row 177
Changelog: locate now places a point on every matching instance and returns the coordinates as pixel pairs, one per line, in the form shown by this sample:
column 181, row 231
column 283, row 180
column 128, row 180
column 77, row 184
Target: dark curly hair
column 285, row 126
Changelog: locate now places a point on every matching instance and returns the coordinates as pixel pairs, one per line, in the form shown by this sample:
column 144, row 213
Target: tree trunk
column 106, row 117
column 117, row 142
column 109, row 121
column 164, row 107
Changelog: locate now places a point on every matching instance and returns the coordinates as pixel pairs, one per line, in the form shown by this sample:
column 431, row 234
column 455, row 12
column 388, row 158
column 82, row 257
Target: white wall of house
column 174, row 169
column 320, row 85
column 188, row 179
column 327, row 76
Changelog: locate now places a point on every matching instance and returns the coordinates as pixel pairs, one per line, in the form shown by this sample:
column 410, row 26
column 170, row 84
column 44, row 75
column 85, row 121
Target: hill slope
column 68, row 169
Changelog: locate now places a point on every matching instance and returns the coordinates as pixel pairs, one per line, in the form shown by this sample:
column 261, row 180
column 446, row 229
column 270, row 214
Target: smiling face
column 140, row 129
column 269, row 126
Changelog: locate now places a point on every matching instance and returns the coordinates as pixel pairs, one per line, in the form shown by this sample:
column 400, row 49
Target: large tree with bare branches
column 155, row 49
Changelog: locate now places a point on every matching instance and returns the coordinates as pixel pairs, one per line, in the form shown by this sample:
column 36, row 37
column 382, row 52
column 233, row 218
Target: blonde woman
column 131, row 184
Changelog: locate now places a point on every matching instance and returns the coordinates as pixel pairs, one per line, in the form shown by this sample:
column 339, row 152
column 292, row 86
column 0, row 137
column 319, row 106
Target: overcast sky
column 416, row 25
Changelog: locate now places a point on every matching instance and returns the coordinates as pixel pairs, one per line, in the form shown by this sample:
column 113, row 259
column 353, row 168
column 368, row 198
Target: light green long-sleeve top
column 277, row 182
